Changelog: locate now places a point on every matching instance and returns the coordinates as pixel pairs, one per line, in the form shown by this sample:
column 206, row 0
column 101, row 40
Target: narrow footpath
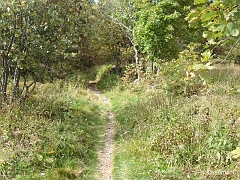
column 105, row 155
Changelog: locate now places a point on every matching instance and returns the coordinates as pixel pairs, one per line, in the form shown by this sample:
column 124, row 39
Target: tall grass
column 54, row 135
column 161, row 136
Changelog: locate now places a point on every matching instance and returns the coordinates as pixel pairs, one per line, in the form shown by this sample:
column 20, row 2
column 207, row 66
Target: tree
column 220, row 18
column 123, row 14
column 161, row 29
column 35, row 37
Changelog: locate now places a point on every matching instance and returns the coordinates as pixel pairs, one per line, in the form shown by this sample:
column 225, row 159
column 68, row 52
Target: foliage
column 34, row 42
column 130, row 73
column 123, row 15
column 103, row 71
column 159, row 133
column 187, row 74
column 219, row 17
column 160, row 27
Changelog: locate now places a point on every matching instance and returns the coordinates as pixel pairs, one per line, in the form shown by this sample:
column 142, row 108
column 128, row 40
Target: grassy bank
column 57, row 132
column 163, row 136
column 54, row 135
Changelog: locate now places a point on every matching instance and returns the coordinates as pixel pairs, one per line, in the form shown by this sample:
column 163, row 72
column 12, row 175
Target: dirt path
column 105, row 156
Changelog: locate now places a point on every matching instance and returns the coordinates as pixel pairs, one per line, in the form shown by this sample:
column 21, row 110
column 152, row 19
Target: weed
column 54, row 134
column 161, row 136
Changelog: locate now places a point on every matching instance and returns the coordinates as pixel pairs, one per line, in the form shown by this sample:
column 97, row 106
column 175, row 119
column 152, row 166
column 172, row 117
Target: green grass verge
column 160, row 136
column 55, row 135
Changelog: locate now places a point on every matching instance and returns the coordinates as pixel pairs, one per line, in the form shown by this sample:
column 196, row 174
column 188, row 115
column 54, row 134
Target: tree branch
column 228, row 54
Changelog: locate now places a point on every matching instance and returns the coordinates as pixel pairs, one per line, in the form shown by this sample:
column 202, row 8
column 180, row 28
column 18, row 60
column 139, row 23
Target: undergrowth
column 54, row 135
column 159, row 134
column 164, row 136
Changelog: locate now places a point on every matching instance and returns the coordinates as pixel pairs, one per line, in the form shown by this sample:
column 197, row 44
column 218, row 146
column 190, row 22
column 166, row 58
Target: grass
column 163, row 136
column 54, row 135
column 57, row 132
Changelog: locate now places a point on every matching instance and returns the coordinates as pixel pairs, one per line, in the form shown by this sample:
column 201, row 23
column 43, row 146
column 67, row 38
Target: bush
column 186, row 75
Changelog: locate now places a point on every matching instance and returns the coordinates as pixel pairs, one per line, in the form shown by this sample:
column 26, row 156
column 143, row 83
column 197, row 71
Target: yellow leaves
column 206, row 55
column 234, row 91
column 192, row 17
column 236, row 153
column 43, row 23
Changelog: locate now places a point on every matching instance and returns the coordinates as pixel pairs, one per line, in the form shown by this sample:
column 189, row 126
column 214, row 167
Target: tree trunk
column 16, row 79
column 137, row 62
column 6, row 67
column 136, row 57
column 5, row 71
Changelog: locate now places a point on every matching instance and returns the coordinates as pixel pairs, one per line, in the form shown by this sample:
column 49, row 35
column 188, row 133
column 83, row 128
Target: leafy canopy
column 221, row 19
column 160, row 26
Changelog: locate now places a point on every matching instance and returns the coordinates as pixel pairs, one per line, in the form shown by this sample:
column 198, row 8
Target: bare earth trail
column 105, row 156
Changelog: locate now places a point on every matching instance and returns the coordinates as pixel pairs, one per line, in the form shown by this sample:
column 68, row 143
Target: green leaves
column 219, row 27
column 200, row 1
column 231, row 29
column 158, row 29
column 37, row 34
column 206, row 55
column 237, row 2
column 220, row 18
column 198, row 67
column 207, row 16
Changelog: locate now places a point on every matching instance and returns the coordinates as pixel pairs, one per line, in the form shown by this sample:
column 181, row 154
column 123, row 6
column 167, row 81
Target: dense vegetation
column 160, row 136
column 170, row 68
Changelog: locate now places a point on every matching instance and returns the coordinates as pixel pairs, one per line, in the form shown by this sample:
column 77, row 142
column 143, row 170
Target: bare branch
column 229, row 52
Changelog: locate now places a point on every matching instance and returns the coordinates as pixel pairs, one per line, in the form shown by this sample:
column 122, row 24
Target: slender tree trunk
column 6, row 67
column 153, row 68
column 16, row 79
column 136, row 57
column 5, row 72
column 136, row 62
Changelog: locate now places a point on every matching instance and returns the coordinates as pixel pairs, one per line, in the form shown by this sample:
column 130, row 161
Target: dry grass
column 55, row 134
column 162, row 136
